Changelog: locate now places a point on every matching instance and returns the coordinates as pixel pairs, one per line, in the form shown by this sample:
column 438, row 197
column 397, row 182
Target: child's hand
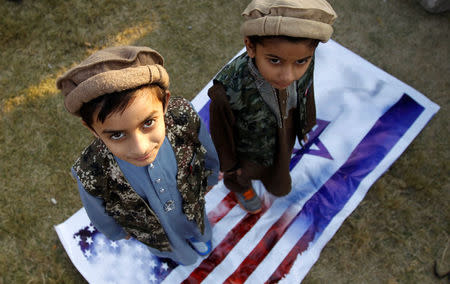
column 238, row 172
column 305, row 139
column 127, row 237
column 220, row 177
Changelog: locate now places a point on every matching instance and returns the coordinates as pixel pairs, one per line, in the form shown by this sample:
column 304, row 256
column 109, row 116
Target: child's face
column 280, row 61
column 136, row 135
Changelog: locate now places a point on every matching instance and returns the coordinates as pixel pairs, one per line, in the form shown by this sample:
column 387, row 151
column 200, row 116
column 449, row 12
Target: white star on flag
column 152, row 277
column 91, row 228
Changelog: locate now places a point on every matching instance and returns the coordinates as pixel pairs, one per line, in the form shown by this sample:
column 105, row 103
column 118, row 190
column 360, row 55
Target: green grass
column 395, row 234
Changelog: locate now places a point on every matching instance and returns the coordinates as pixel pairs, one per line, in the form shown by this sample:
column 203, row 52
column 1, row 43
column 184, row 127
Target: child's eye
column 274, row 60
column 149, row 123
column 117, row 136
column 302, row 61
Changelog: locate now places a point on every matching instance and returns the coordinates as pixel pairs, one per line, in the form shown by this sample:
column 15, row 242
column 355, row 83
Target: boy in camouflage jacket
column 146, row 173
column 264, row 99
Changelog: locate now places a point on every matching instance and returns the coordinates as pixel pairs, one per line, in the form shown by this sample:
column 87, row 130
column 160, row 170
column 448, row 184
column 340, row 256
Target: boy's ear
column 167, row 100
column 90, row 128
column 250, row 47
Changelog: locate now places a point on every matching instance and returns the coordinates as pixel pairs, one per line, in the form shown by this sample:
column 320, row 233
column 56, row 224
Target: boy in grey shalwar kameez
column 146, row 173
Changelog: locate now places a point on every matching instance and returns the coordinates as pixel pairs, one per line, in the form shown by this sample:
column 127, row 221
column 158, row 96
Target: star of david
column 314, row 146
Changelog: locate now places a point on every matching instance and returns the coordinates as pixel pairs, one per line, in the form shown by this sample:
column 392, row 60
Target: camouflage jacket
column 101, row 176
column 255, row 106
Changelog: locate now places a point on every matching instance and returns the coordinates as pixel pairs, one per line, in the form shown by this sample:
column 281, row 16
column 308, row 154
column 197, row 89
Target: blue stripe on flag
column 204, row 114
column 336, row 192
column 386, row 132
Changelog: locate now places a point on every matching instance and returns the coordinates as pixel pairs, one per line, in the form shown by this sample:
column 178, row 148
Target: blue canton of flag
column 118, row 256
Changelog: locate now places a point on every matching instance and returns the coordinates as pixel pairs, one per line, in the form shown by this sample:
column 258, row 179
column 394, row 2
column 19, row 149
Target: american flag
column 369, row 123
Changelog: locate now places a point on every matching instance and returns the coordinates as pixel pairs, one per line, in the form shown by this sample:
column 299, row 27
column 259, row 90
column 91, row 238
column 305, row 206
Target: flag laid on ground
column 366, row 119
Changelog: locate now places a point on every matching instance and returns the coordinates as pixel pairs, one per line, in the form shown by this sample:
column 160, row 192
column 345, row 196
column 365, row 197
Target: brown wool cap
column 111, row 70
column 294, row 18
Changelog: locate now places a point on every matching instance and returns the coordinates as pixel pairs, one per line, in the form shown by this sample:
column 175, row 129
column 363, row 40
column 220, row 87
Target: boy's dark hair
column 116, row 102
column 254, row 39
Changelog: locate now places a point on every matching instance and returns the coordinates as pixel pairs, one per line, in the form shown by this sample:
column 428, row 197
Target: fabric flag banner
column 366, row 119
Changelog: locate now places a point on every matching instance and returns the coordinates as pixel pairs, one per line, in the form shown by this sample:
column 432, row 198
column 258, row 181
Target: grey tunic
column 156, row 183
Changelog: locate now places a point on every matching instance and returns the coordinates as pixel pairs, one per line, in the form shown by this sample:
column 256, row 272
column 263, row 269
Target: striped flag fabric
column 366, row 119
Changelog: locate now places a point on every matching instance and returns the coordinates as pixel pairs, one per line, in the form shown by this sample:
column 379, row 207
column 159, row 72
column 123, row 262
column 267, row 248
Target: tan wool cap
column 294, row 18
column 111, row 70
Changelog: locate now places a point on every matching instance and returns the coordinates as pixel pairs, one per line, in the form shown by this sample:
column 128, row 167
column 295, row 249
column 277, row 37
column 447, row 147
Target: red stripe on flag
column 261, row 250
column 222, row 250
column 289, row 260
column 222, row 209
